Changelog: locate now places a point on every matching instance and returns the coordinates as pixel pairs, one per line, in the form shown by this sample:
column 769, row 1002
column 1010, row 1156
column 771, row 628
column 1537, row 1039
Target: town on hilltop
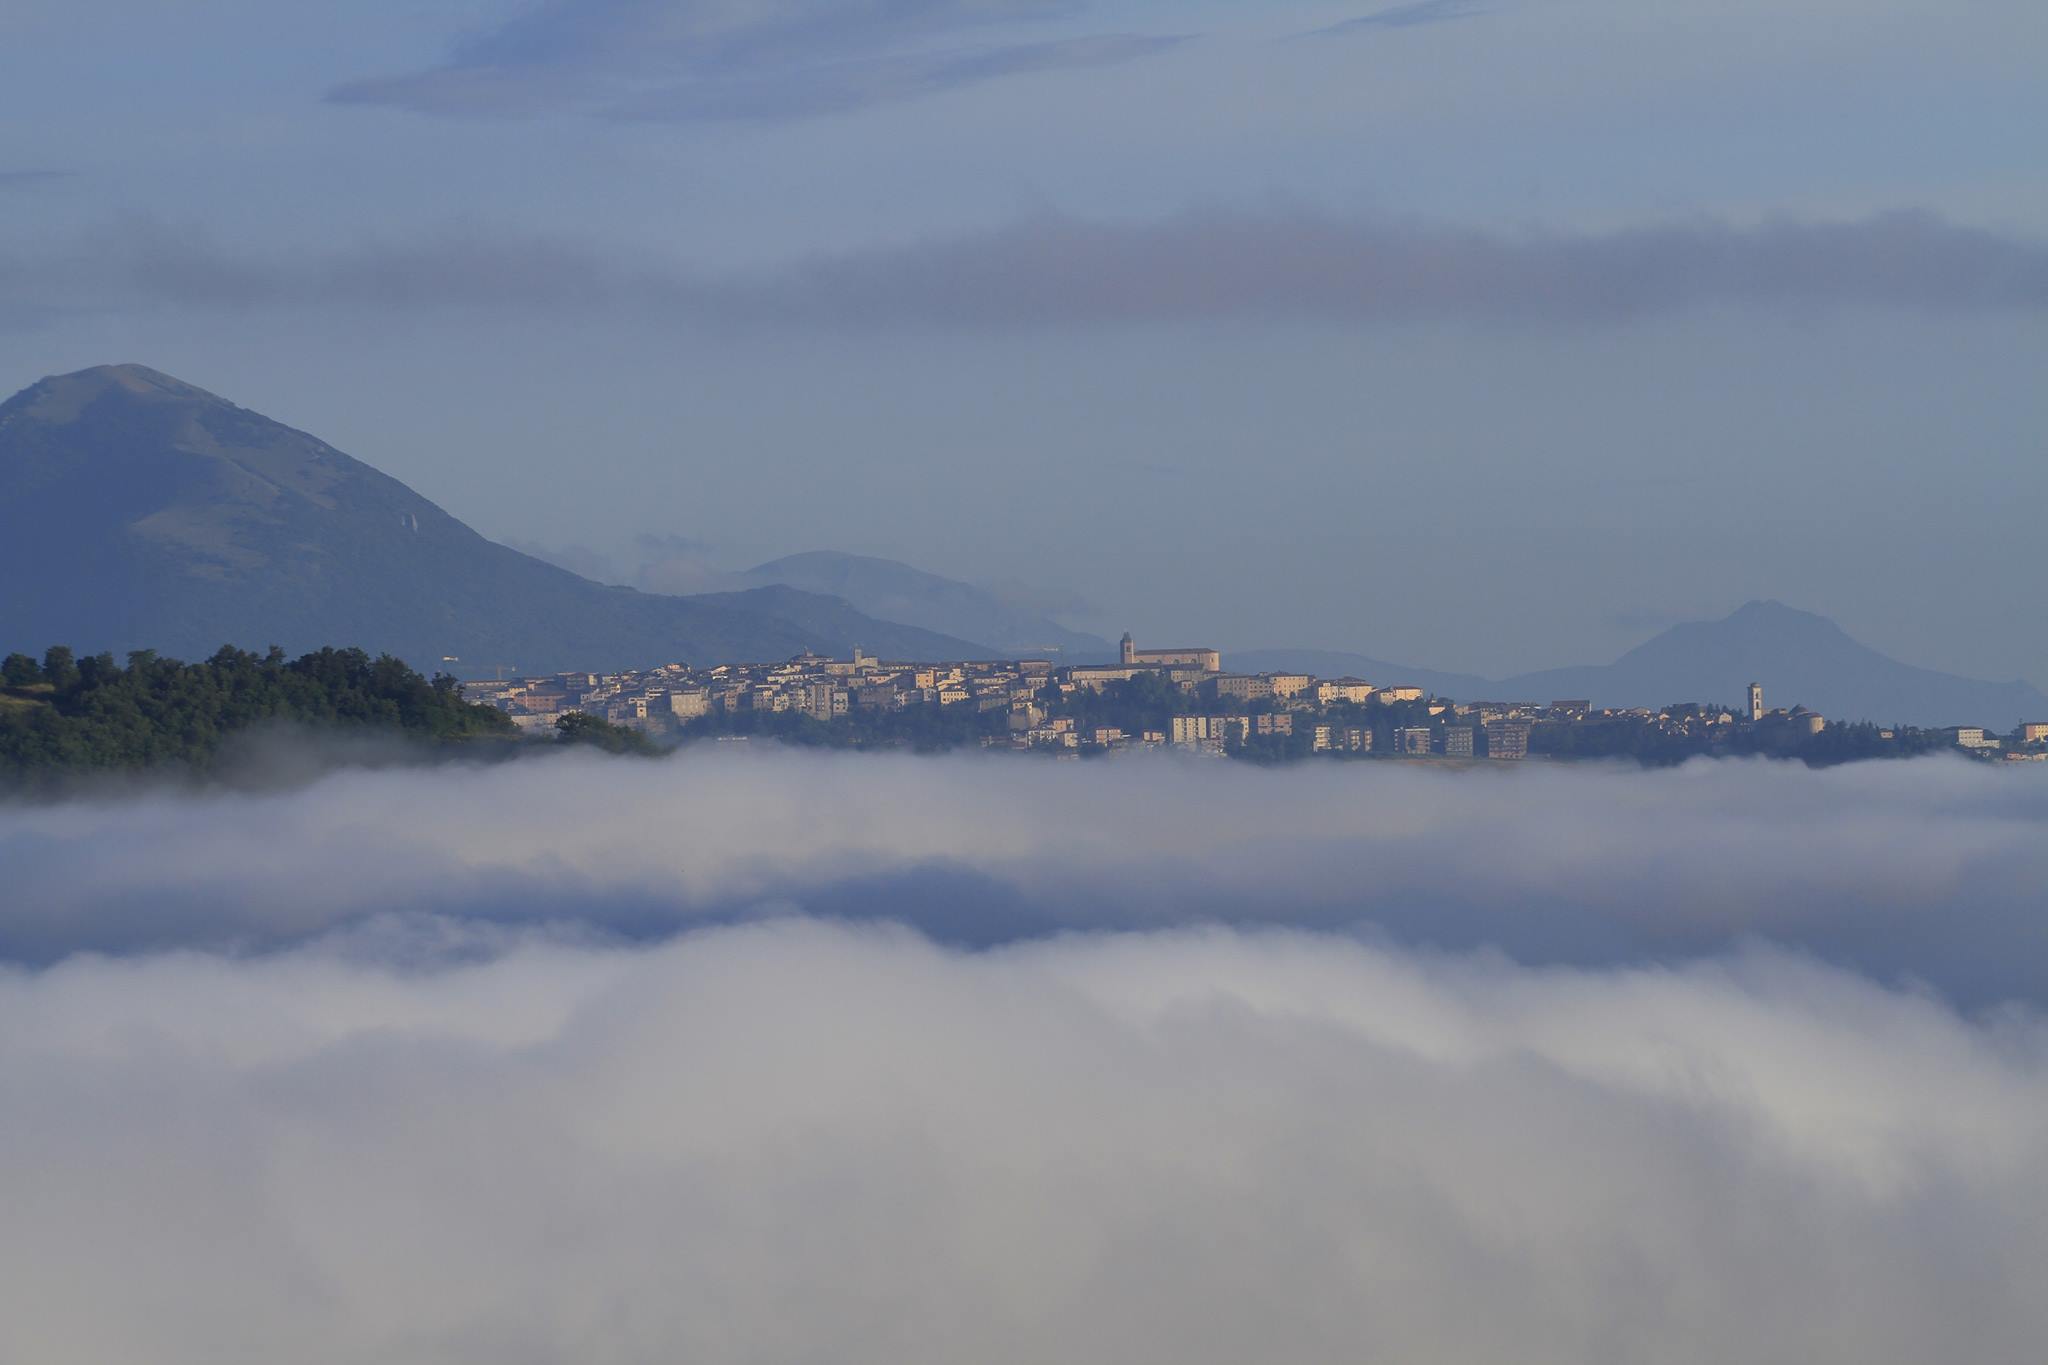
column 1182, row 699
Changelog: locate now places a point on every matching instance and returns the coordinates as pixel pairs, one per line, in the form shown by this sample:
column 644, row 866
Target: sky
column 751, row 1054
column 1486, row 335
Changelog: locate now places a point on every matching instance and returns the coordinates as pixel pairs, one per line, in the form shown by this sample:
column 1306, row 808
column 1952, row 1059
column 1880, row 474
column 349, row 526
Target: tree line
column 67, row 714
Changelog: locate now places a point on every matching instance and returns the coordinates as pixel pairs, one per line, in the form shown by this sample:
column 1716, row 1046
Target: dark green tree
column 97, row 670
column 60, row 668
column 580, row 728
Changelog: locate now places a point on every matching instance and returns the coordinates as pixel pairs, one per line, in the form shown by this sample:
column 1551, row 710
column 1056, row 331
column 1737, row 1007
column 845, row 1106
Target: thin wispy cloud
column 1237, row 265
column 692, row 60
column 1416, row 15
column 1050, row 272
column 848, row 86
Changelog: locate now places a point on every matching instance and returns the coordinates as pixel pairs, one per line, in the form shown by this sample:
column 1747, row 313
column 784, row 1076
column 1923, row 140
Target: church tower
column 1756, row 701
column 1128, row 650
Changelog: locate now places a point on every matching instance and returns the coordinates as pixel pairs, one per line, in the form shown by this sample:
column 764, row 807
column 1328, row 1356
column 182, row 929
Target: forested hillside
column 67, row 715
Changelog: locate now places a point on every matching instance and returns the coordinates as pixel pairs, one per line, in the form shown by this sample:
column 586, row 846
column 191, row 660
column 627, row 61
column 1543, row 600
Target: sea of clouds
column 758, row 1055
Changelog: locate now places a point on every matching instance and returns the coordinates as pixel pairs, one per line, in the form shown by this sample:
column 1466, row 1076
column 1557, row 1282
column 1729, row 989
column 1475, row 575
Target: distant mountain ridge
column 899, row 592
column 1799, row 657
column 138, row 511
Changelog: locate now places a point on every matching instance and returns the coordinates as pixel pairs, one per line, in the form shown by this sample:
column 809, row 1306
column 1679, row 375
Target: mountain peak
column 1769, row 618
column 133, row 378
column 128, row 374
column 1799, row 657
column 63, row 397
column 1770, row 608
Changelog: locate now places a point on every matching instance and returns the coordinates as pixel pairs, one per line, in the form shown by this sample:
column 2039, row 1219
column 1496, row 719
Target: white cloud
column 811, row 1143
column 414, row 1066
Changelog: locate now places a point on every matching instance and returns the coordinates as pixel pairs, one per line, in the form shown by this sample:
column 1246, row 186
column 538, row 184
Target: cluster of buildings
column 1034, row 704
column 2026, row 744
column 667, row 698
column 1027, row 696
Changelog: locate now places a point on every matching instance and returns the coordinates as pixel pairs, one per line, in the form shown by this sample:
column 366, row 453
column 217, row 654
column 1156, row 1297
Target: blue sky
column 1487, row 334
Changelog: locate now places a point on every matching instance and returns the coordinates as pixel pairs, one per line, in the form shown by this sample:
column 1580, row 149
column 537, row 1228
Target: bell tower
column 1127, row 650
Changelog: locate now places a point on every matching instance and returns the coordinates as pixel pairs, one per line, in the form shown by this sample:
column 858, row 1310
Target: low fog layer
column 764, row 1055
column 1925, row 872
column 836, row 1143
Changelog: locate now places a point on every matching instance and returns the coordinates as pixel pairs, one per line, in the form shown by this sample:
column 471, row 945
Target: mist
column 1925, row 872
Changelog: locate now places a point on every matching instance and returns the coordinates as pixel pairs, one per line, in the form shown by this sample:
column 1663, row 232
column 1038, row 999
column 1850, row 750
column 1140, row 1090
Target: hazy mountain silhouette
column 899, row 592
column 1800, row 658
column 137, row 511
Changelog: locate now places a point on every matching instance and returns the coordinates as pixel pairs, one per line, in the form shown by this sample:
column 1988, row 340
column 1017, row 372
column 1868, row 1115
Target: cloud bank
column 635, row 1062
column 811, row 1143
column 697, row 60
column 1047, row 272
column 1908, row 872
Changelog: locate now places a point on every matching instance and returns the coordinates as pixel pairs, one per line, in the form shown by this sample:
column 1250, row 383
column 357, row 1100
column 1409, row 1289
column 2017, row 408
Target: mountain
column 137, row 511
column 1800, row 658
column 898, row 592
